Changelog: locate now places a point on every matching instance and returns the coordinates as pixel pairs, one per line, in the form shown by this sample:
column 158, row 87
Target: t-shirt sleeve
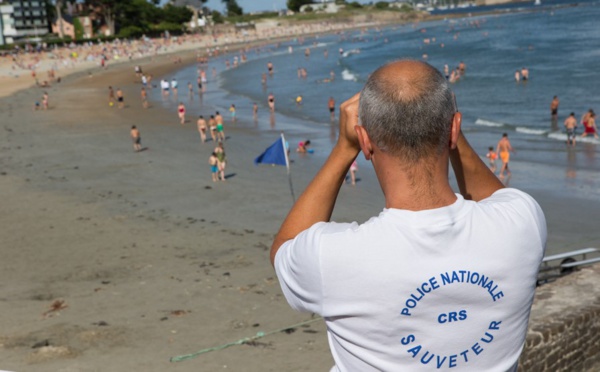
column 298, row 267
column 523, row 205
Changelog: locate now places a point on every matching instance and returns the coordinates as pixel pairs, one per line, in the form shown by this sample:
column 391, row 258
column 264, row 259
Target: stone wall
column 564, row 328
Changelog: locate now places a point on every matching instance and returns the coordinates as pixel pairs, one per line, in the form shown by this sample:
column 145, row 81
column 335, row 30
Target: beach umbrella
column 277, row 154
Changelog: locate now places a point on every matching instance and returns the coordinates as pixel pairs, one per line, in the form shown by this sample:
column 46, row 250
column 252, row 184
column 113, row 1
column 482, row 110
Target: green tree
column 78, row 28
column 354, row 5
column 382, row 5
column 294, row 5
column 233, row 9
column 217, row 17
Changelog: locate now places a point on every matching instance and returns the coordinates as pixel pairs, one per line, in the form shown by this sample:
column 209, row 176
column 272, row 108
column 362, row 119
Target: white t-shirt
column 420, row 291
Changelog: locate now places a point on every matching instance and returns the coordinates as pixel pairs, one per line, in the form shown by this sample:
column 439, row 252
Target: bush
column 131, row 31
column 217, row 17
column 382, row 5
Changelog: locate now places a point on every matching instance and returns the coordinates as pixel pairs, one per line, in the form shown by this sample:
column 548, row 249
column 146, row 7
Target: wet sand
column 116, row 261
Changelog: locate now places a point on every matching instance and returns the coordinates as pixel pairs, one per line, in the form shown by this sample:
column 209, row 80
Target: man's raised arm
column 317, row 201
column 475, row 180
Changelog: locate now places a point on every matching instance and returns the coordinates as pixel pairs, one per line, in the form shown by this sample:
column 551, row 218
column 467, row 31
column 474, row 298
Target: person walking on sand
column 214, row 166
column 136, row 138
column 570, row 126
column 331, row 106
column 201, row 123
column 120, row 98
column 181, row 113
column 220, row 128
column 45, row 99
column 144, row 96
column 212, row 126
column 222, row 160
column 503, row 150
column 111, row 96
column 435, row 271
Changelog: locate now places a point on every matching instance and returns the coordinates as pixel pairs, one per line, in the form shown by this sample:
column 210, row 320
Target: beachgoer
column 503, row 149
column 212, row 126
column 271, row 102
column 190, row 90
column 214, row 166
column 554, row 110
column 120, row 98
column 435, row 272
column 492, row 156
column 144, row 96
column 232, row 112
column 165, row 87
column 222, row 160
column 571, row 125
column 517, row 76
column 111, row 96
column 201, row 123
column 446, row 72
column 270, row 67
column 524, row 74
column 589, row 124
column 181, row 113
column 174, row 86
column 331, row 106
column 353, row 170
column 136, row 138
column 255, row 111
column 45, row 100
column 303, row 147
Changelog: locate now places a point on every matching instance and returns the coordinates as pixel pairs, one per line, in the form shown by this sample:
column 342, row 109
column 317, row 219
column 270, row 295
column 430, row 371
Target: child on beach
column 221, row 160
column 232, row 111
column 137, row 139
column 214, row 169
column 492, row 156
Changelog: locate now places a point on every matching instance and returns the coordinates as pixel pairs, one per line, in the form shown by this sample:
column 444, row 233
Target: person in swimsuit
column 331, row 105
column 232, row 111
column 353, row 169
column 214, row 168
column 181, row 113
column 589, row 125
column 45, row 101
column 201, row 123
column 136, row 138
column 212, row 126
column 120, row 98
column 270, row 68
column 570, row 125
column 491, row 155
column 504, row 149
column 144, row 96
column 271, row 101
column 221, row 160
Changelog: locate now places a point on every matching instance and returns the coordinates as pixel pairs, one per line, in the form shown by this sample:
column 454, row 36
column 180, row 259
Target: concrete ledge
column 564, row 327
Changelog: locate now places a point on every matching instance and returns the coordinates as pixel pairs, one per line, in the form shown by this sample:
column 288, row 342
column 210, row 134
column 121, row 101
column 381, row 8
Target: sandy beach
column 117, row 261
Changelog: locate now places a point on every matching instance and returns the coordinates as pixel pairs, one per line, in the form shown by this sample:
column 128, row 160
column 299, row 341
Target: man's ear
column 364, row 141
column 455, row 129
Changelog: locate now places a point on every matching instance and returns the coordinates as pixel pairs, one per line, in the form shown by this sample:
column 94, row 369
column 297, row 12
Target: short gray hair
column 408, row 117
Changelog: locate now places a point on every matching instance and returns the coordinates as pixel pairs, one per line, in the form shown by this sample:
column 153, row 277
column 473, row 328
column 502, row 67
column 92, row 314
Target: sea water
column 560, row 45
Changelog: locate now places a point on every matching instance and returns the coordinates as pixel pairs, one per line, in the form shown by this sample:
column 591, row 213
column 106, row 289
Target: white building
column 322, row 7
column 8, row 32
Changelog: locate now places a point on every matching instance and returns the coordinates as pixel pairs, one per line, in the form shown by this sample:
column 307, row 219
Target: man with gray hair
column 438, row 280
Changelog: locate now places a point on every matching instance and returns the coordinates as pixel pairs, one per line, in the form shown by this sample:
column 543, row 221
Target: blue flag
column 275, row 154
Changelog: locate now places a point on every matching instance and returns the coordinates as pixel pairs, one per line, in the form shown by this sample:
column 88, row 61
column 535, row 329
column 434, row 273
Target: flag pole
column 287, row 165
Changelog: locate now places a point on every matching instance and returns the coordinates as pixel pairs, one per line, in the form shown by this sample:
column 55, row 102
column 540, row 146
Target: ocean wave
column 488, row 123
column 350, row 52
column 347, row 75
column 563, row 137
column 531, row 130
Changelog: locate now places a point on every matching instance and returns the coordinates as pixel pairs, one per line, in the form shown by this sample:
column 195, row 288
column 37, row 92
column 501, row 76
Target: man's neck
column 417, row 187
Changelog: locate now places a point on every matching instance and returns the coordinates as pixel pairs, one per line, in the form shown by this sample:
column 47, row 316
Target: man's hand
column 348, row 121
